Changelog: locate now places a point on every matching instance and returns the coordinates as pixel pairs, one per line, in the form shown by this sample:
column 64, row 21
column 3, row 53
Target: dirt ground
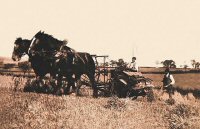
column 33, row 110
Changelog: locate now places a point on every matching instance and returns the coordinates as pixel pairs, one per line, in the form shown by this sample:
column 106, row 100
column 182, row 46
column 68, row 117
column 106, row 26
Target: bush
column 24, row 66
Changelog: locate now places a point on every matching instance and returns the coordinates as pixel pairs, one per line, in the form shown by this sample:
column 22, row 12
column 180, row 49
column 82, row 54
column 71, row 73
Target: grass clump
column 183, row 116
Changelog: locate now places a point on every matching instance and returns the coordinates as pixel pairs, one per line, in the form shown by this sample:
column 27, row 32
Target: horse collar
column 33, row 40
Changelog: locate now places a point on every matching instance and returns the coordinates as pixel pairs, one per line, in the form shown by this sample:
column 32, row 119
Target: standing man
column 133, row 65
column 168, row 82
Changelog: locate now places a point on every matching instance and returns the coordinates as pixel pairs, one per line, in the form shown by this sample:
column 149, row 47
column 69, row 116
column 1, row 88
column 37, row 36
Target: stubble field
column 33, row 110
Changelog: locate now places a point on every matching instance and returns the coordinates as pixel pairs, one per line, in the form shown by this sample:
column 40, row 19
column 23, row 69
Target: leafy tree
column 185, row 67
column 121, row 64
column 169, row 63
column 24, row 66
column 8, row 66
column 113, row 63
column 195, row 64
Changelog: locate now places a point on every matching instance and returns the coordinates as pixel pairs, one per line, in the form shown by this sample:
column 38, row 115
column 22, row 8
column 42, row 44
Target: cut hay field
column 185, row 81
column 35, row 111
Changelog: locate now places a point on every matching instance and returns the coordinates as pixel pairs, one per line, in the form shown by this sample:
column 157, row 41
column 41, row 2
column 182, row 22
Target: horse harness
column 64, row 52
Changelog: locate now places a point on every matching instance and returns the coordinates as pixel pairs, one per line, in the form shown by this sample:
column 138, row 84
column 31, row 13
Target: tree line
column 26, row 67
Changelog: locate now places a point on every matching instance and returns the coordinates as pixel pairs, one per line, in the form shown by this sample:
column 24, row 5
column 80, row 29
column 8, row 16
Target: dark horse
column 42, row 50
column 41, row 58
column 77, row 63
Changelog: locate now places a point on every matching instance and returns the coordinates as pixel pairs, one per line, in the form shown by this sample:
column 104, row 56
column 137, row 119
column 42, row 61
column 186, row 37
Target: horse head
column 20, row 48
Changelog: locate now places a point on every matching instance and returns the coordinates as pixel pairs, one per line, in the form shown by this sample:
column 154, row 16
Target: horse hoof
column 78, row 94
column 73, row 94
column 59, row 92
column 95, row 96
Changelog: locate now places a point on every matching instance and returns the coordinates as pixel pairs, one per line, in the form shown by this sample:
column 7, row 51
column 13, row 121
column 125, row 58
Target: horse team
column 50, row 55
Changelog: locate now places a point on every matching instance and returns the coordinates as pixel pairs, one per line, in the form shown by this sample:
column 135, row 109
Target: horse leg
column 57, row 88
column 73, row 85
column 94, row 86
column 39, row 84
column 52, row 76
column 50, row 88
column 70, row 83
column 79, row 84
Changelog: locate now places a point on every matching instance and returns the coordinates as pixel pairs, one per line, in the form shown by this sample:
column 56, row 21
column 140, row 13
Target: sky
column 151, row 30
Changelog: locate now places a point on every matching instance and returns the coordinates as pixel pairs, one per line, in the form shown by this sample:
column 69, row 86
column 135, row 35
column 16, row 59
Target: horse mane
column 45, row 36
column 19, row 40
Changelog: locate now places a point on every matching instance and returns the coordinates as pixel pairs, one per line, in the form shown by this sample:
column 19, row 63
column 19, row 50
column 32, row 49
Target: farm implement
column 110, row 81
column 122, row 82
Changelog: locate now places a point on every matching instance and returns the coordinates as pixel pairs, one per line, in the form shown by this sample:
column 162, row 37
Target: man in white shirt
column 168, row 82
column 133, row 65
